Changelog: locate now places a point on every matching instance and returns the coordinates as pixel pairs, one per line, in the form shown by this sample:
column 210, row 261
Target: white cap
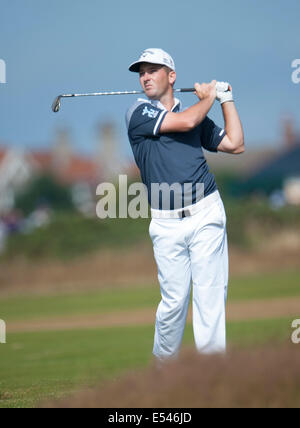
column 153, row 56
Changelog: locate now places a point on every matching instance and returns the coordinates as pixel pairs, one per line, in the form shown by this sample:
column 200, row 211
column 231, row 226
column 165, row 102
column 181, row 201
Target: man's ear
column 172, row 77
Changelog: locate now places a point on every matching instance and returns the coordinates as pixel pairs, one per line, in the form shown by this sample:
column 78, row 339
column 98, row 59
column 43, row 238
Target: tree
column 44, row 190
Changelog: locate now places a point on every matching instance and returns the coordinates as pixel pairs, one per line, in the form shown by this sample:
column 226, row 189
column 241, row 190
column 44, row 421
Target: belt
column 187, row 211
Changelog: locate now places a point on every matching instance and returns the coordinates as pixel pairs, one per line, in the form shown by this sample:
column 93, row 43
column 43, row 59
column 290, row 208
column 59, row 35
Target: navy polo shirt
column 171, row 157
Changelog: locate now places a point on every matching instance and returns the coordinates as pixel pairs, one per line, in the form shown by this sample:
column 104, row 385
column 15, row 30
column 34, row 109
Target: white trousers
column 191, row 250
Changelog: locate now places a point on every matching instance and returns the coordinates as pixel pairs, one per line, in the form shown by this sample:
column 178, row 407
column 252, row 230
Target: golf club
column 57, row 102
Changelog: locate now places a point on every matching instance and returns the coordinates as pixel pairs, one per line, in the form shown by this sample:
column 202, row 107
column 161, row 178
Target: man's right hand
column 206, row 90
column 188, row 119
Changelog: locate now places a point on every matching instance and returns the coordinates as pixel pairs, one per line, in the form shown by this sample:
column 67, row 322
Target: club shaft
column 95, row 94
column 56, row 103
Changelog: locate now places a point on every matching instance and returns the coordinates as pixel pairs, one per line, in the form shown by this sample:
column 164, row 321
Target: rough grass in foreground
column 266, row 377
column 43, row 365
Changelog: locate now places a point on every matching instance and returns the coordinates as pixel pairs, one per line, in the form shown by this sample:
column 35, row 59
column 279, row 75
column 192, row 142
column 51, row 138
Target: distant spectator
column 13, row 221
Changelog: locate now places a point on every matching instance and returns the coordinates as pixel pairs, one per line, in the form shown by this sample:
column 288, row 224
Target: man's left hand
column 222, row 96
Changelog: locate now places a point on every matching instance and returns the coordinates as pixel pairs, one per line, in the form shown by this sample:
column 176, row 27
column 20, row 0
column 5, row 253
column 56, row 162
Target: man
column 189, row 236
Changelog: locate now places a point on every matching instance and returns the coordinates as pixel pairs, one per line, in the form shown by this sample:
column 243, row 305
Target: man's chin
column 151, row 95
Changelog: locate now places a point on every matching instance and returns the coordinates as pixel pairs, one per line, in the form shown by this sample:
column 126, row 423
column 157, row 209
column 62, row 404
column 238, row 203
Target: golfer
column 188, row 228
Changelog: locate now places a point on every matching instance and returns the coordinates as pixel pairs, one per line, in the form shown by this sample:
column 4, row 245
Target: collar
column 159, row 105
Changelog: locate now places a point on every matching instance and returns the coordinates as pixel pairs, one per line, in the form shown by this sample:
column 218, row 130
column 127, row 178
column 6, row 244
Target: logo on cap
column 147, row 52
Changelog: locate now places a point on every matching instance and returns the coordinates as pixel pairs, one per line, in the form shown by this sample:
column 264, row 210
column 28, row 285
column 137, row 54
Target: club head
column 56, row 104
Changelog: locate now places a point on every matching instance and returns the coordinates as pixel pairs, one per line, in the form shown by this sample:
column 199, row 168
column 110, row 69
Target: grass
column 42, row 365
column 38, row 365
column 32, row 307
column 265, row 286
column 259, row 286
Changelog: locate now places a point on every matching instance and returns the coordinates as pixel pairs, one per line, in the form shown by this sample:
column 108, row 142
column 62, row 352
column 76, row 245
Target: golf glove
column 223, row 94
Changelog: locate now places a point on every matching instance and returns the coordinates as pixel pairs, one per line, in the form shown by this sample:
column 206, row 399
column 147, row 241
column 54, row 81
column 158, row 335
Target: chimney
column 62, row 151
column 108, row 156
column 289, row 135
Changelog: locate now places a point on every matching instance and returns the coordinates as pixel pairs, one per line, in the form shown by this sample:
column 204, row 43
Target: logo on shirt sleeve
column 151, row 113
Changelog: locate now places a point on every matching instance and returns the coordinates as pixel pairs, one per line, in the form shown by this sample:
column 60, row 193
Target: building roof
column 79, row 169
column 75, row 168
column 271, row 176
column 244, row 164
column 2, row 154
column 43, row 159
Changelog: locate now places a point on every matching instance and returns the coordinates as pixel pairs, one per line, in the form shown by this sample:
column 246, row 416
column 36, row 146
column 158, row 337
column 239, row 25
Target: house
column 17, row 167
column 15, row 171
column 282, row 173
column 81, row 173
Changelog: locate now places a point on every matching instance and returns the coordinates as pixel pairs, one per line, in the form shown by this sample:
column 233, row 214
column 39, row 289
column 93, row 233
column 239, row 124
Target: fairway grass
column 42, row 365
column 30, row 307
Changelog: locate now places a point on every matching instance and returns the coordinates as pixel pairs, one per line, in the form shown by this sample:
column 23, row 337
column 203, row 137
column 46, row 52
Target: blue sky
column 63, row 46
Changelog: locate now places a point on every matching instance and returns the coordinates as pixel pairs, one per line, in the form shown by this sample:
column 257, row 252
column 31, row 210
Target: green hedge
column 44, row 190
column 70, row 235
column 241, row 213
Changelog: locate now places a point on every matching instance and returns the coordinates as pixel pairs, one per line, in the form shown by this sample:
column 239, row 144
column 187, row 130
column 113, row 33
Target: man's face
column 155, row 80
